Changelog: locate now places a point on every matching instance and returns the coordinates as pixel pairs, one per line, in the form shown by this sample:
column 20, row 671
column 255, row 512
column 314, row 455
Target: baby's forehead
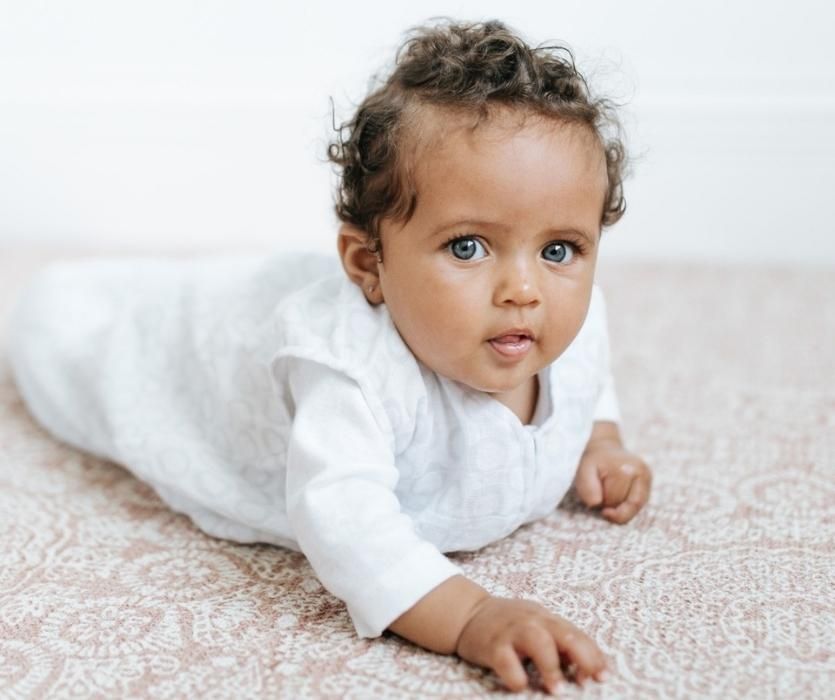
column 430, row 132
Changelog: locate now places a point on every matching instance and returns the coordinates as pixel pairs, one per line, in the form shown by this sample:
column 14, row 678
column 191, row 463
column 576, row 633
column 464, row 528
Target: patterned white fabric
column 268, row 401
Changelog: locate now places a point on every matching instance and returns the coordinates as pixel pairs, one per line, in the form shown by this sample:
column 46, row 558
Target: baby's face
column 490, row 280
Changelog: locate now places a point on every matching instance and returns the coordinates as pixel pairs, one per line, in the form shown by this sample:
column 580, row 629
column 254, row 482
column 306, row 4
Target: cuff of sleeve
column 399, row 588
column 607, row 408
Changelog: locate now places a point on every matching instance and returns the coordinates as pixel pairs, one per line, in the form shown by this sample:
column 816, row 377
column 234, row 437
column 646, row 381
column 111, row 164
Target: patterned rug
column 723, row 587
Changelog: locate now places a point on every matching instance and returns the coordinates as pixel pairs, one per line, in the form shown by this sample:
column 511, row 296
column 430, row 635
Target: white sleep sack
column 269, row 402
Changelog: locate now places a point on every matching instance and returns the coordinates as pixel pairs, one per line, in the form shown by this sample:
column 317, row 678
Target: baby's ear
column 359, row 262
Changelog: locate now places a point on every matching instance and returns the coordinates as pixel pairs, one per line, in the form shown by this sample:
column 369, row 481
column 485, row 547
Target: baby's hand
column 614, row 478
column 501, row 633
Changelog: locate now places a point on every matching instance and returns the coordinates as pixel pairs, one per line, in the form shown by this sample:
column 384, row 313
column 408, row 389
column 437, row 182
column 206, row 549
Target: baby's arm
column 611, row 477
column 460, row 617
column 347, row 519
column 342, row 507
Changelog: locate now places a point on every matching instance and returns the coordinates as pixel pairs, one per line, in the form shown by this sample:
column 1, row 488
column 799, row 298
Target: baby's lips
column 509, row 339
column 513, row 335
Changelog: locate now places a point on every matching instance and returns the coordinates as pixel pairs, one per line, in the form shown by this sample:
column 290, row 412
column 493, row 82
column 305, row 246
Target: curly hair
column 468, row 68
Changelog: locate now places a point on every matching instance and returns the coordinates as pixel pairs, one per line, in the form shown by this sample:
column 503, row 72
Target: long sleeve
column 607, row 408
column 342, row 506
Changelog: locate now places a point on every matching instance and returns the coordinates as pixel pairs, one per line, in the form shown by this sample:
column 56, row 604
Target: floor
column 723, row 587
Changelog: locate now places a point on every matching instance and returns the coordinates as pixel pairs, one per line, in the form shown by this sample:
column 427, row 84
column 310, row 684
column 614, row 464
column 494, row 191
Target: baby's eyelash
column 459, row 237
column 579, row 248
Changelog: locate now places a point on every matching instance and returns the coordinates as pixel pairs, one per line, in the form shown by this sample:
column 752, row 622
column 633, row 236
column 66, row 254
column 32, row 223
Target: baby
column 449, row 386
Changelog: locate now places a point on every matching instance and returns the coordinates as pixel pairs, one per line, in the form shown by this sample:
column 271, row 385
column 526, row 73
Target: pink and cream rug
column 723, row 587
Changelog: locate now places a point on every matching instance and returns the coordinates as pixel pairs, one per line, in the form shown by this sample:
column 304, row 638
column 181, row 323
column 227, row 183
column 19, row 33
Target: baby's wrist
column 472, row 613
column 604, row 434
column 437, row 621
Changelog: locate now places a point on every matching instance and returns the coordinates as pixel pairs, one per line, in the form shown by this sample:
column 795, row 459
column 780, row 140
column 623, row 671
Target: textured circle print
column 791, row 503
column 416, row 675
column 792, row 631
column 776, row 627
column 24, row 668
column 32, row 528
column 190, row 574
column 107, row 628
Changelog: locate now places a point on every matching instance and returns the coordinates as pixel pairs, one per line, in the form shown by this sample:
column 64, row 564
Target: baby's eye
column 467, row 248
column 558, row 252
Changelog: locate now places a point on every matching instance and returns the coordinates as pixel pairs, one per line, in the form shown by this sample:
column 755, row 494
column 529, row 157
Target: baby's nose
column 517, row 286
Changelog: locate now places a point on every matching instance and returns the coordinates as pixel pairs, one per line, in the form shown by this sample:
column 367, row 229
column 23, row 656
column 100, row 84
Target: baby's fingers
column 616, row 484
column 635, row 500
column 587, row 484
column 537, row 644
column 580, row 650
column 509, row 669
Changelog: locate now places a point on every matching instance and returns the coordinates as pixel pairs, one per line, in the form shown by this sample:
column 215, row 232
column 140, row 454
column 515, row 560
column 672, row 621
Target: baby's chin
column 488, row 379
column 494, row 386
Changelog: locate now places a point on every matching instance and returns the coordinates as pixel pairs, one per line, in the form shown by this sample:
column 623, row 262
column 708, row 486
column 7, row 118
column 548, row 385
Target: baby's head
column 475, row 182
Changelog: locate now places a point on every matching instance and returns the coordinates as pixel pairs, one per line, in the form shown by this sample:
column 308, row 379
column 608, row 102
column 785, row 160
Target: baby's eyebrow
column 465, row 223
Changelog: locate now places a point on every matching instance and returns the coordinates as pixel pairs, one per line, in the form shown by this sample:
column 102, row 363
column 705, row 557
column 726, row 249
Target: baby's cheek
column 556, row 341
column 564, row 323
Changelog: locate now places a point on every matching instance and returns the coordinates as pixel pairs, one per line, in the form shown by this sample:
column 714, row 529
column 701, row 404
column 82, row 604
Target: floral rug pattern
column 724, row 586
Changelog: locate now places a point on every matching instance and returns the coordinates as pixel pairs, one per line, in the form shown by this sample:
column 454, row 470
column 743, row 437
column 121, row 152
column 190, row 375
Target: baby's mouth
column 515, row 343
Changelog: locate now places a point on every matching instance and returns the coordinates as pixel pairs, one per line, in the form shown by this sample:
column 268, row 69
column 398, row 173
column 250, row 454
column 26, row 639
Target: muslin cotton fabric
column 268, row 401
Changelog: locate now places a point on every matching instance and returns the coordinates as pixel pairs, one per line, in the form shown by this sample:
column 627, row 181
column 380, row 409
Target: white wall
column 171, row 124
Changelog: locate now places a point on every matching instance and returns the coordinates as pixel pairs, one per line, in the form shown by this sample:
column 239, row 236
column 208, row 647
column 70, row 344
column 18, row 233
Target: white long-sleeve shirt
column 268, row 401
